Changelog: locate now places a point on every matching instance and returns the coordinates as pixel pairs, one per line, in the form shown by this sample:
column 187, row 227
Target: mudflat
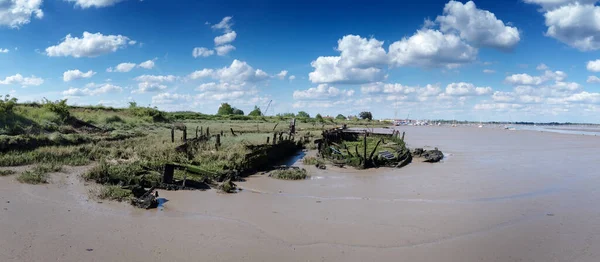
column 499, row 195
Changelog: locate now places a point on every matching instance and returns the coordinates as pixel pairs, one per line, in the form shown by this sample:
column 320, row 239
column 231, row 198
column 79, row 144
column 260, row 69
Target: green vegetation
column 311, row 160
column 290, row 174
column 340, row 117
column 6, row 172
column 366, row 115
column 129, row 147
column 110, row 192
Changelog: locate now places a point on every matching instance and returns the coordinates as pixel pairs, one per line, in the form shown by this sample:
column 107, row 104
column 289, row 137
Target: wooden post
column 274, row 138
column 365, row 151
column 221, row 132
column 200, row 131
column 268, row 139
column 218, row 144
column 184, row 133
column 168, row 174
column 207, row 133
column 402, row 136
column 173, row 134
column 196, row 131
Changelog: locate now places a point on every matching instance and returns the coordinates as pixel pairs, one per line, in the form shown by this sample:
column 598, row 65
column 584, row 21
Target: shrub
column 113, row 119
column 290, row 174
column 311, row 160
column 111, row 192
column 6, row 172
column 32, row 177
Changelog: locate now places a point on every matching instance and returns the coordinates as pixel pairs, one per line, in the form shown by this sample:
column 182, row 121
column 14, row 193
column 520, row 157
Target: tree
column 255, row 112
column 225, row 109
column 58, row 107
column 366, row 115
column 319, row 118
column 132, row 104
column 340, row 117
column 237, row 111
column 7, row 105
column 302, row 114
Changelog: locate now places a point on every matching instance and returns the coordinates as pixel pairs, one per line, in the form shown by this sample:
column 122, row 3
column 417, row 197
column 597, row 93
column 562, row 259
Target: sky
column 513, row 60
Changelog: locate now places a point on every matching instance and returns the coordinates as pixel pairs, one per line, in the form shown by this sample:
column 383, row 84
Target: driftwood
column 233, row 133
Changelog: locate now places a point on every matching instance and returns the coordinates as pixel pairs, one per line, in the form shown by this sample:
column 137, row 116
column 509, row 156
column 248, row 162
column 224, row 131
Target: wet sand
column 499, row 195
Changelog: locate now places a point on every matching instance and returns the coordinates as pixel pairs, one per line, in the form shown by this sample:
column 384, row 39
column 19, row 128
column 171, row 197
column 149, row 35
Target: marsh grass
column 290, row 174
column 6, row 172
column 111, row 192
column 311, row 160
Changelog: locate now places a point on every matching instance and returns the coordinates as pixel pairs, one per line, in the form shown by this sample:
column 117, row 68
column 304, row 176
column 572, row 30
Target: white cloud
column 239, row 72
column 489, row 71
column 18, row 79
column 169, row 98
column 552, row 4
column 466, row 89
column 500, row 96
column 202, row 51
column 16, row 13
column 122, row 68
column 225, row 38
column 282, row 74
column 155, row 78
column 146, row 87
column 224, row 49
column 542, row 67
column 322, row 91
column 292, row 77
column 593, row 66
column 76, row 74
column 93, row 89
column 201, row 73
column 502, row 107
column 575, row 25
column 431, row 48
column 593, row 79
column 361, row 61
column 525, row 79
column 3, row 50
column 94, row 3
column 220, row 87
column 477, row 26
column 225, row 24
column 90, row 45
column 147, row 65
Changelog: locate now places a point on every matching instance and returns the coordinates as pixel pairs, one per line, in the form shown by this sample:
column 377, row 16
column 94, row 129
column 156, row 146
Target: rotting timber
column 367, row 149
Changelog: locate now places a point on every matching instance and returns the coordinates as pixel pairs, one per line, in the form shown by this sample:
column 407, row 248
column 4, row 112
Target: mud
column 497, row 195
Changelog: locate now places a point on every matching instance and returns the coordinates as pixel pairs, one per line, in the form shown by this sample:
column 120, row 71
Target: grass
column 111, row 192
column 290, row 174
column 6, row 172
column 39, row 174
column 311, row 160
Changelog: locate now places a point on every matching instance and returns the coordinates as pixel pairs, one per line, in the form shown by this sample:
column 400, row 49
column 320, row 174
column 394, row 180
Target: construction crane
column 268, row 105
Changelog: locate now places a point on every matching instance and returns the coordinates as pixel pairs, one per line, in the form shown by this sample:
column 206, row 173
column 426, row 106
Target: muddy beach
column 498, row 195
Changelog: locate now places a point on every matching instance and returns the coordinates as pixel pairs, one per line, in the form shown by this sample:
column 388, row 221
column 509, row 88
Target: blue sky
column 529, row 60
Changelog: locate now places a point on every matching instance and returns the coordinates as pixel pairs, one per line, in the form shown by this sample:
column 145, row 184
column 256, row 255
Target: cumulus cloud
column 282, row 74
column 552, row 4
column 90, row 45
column 240, row 72
column 206, row 72
column 322, row 91
column 202, row 52
column 147, row 64
column 15, row 14
column 292, row 77
column 466, row 89
column 18, row 79
column 94, row 3
column 525, row 79
column 225, row 38
column 122, row 68
column 593, row 79
column 477, row 26
column 489, row 71
column 76, row 74
column 224, row 25
column 93, row 89
column 431, row 48
column 224, row 49
column 575, row 25
column 4, row 50
column 361, row 61
column 593, row 66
